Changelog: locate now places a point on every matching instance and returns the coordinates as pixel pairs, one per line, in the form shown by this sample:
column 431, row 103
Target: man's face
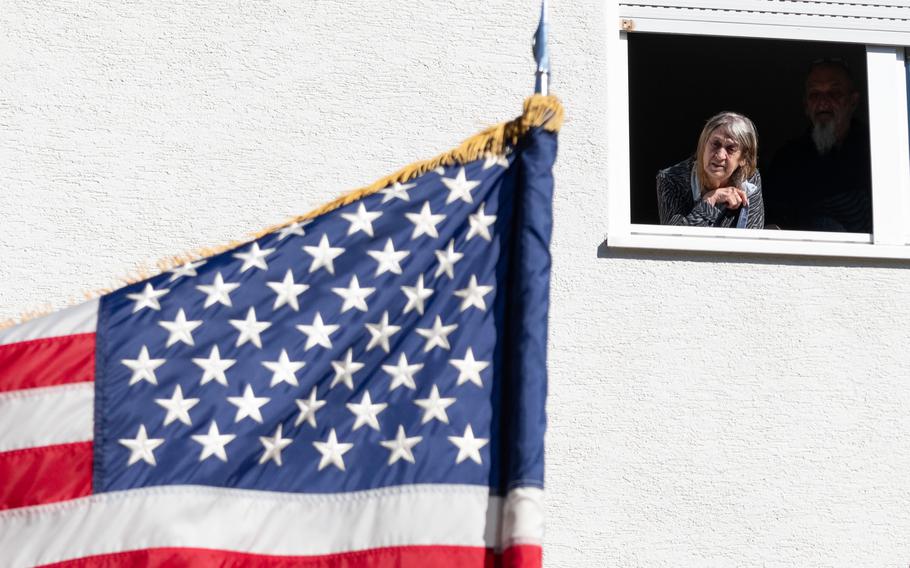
column 830, row 99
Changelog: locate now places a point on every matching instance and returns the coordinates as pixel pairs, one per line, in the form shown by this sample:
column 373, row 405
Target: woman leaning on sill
column 720, row 185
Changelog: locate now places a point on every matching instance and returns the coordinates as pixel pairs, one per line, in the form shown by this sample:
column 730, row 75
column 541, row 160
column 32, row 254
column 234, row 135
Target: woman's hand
column 731, row 197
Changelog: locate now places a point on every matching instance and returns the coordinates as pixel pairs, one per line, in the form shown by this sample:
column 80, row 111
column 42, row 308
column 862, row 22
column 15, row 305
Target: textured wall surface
column 705, row 410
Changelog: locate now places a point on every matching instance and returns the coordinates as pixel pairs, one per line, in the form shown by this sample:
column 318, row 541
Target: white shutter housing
column 883, row 22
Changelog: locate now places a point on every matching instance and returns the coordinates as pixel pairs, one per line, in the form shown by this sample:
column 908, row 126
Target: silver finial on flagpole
column 541, row 53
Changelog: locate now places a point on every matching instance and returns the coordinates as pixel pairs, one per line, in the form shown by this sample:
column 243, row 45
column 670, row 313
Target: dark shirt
column 805, row 191
column 677, row 206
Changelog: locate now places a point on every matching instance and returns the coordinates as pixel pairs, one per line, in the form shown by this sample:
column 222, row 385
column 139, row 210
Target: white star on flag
column 468, row 446
column 401, row 447
column 447, row 259
column 354, row 296
column 332, row 451
column 272, row 447
column 344, row 370
column 362, row 220
column 402, row 373
column 180, row 329
column 213, row 443
column 480, row 224
column 143, row 367
column 286, row 291
column 459, row 187
column 397, row 191
column 434, row 406
column 388, row 259
column 416, row 295
column 148, row 298
column 254, row 258
column 473, row 295
column 491, row 160
column 293, row 229
column 248, row 405
column 249, row 329
column 323, row 255
column 308, row 408
column 380, row 333
column 178, row 408
column 214, row 367
column 318, row 333
column 284, row 370
column 141, row 447
column 185, row 270
column 438, row 335
column 425, row 222
column 366, row 412
column 218, row 291
column 469, row 369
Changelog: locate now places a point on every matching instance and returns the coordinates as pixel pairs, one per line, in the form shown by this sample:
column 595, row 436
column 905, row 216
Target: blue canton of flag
column 350, row 352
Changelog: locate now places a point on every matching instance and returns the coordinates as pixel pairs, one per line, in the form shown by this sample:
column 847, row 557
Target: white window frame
column 888, row 133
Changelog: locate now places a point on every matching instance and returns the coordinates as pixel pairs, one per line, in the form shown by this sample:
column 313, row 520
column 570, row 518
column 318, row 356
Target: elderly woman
column 720, row 186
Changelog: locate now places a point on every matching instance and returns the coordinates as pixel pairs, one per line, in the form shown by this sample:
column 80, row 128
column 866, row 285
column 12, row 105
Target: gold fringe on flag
column 539, row 112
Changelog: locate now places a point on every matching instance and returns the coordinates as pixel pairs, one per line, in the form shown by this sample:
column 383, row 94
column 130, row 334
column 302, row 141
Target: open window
column 674, row 64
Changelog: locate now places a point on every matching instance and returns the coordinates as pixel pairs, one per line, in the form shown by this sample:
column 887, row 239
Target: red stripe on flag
column 47, row 362
column 524, row 556
column 46, row 474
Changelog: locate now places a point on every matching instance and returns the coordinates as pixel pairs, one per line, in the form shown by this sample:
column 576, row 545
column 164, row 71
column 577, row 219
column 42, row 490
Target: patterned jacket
column 677, row 207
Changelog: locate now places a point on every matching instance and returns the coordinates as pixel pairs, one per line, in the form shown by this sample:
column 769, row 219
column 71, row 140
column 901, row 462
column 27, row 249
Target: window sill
column 771, row 242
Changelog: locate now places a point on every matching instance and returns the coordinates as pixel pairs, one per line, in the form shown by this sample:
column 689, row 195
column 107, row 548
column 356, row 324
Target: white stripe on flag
column 522, row 519
column 46, row 416
column 256, row 522
column 78, row 319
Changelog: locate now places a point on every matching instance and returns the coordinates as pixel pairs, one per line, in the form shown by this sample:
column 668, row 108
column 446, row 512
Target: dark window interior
column 677, row 82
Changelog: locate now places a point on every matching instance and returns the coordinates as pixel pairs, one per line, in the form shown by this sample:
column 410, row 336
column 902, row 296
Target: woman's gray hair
column 740, row 129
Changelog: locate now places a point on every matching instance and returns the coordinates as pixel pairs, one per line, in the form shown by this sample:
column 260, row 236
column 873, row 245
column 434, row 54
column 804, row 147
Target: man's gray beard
column 824, row 136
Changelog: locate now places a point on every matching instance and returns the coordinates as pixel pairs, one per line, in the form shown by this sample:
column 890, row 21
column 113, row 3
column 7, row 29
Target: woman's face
column 722, row 155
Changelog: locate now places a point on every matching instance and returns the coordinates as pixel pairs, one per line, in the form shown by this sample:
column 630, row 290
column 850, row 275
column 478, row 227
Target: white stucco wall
column 705, row 410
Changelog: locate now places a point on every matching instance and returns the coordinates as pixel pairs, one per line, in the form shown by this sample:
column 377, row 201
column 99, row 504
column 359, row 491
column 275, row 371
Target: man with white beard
column 822, row 180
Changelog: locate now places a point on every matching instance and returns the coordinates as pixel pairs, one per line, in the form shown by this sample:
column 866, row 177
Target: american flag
column 363, row 388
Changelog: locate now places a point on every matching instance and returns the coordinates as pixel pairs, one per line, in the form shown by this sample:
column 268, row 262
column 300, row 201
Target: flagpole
column 542, row 53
